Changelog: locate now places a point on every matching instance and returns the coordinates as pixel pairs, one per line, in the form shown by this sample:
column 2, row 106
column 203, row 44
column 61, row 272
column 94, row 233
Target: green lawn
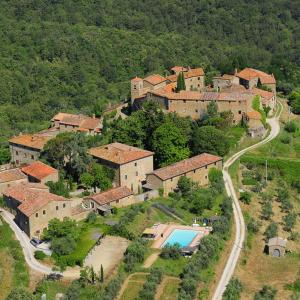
column 170, row 291
column 11, row 248
column 171, row 267
column 132, row 290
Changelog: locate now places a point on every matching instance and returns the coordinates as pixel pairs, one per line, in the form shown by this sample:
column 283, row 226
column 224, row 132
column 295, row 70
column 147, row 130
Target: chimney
column 93, row 116
column 235, row 71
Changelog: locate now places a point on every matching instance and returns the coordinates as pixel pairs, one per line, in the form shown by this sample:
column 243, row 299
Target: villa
column 195, row 168
column 80, row 123
column 131, row 164
column 34, row 206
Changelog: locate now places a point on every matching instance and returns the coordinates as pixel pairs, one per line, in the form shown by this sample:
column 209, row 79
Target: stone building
column 194, row 81
column 194, row 104
column 34, row 206
column 130, row 164
column 255, row 127
column 195, row 168
column 40, row 172
column 103, row 202
column 277, row 246
column 225, row 81
column 267, row 99
column 26, row 148
column 254, row 78
column 10, row 178
column 81, row 123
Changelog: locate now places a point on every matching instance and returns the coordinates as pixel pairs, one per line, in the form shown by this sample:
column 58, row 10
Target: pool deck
column 163, row 231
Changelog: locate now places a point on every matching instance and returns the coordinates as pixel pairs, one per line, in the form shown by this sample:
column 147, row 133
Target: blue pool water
column 181, row 237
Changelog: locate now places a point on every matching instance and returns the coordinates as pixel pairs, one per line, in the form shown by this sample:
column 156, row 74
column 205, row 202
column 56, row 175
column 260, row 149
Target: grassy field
column 13, row 269
column 256, row 268
column 170, row 289
column 134, row 285
column 171, row 267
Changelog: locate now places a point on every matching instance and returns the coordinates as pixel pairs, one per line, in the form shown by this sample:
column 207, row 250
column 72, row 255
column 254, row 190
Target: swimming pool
column 181, row 237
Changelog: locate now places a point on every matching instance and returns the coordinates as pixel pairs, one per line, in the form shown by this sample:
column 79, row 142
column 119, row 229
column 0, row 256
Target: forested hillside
column 70, row 55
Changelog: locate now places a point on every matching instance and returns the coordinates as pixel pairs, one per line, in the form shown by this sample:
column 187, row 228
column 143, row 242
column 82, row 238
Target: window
column 198, row 85
column 36, row 215
column 117, row 201
column 194, row 171
column 184, row 101
column 240, row 112
column 125, row 176
column 135, row 164
column 205, row 167
column 215, row 163
column 17, row 153
column 64, row 205
column 44, row 212
column 196, row 110
column 134, row 87
column 56, row 207
column 32, row 156
column 25, row 155
column 205, row 177
column 198, row 78
column 136, row 173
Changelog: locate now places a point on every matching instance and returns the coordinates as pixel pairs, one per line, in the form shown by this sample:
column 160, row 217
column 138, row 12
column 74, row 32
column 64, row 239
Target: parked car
column 35, row 242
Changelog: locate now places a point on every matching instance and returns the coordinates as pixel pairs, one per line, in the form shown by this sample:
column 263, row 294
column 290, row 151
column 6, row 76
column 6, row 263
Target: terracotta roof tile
column 177, row 69
column 254, row 115
column 249, row 73
column 38, row 170
column 119, row 153
column 172, row 78
column 111, row 195
column 11, row 175
column 265, row 94
column 136, row 79
column 34, row 141
column 155, row 79
column 194, row 73
column 32, row 197
column 186, row 165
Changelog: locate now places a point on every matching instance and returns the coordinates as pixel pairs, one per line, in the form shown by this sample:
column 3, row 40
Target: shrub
column 170, row 252
column 91, row 217
column 149, row 288
column 39, row 255
column 291, row 126
column 135, row 254
column 253, row 225
column 285, row 139
column 233, row 290
column 294, row 236
column 271, row 230
column 289, row 221
column 249, row 181
column 267, row 211
column 266, row 293
column 245, row 197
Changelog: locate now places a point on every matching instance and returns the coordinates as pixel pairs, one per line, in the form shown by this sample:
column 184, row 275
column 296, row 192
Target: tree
column 57, row 229
column 266, row 293
column 171, row 251
column 103, row 177
column 294, row 101
column 267, row 211
column 169, row 144
column 58, row 188
column 180, row 82
column 68, row 151
column 291, row 126
column 87, row 180
column 245, row 197
column 233, row 290
column 20, row 294
column 271, row 231
column 185, row 185
column 209, row 139
column 289, row 221
column 101, row 274
column 212, row 109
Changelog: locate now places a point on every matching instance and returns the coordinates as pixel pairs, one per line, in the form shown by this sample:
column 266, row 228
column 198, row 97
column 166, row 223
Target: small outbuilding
column 277, row 246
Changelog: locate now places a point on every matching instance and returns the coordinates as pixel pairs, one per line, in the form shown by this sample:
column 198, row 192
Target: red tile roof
column 111, row 195
column 38, row 170
column 34, row 141
column 186, row 165
column 32, row 197
column 119, row 153
column 265, row 94
column 249, row 73
column 11, row 175
column 254, row 115
column 194, row 73
column 155, row 79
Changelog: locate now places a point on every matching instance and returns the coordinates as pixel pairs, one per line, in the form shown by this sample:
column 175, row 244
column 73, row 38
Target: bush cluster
column 39, row 255
column 149, row 288
column 135, row 254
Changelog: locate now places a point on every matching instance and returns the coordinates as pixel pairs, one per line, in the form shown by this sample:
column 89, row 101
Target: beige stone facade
column 195, row 168
column 130, row 164
column 10, row 178
column 33, row 225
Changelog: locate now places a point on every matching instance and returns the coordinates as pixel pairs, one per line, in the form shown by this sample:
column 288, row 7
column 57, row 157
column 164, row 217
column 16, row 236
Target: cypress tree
column 180, row 82
column 101, row 274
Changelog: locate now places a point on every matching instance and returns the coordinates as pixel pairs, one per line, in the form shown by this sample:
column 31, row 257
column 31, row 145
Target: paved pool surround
column 163, row 232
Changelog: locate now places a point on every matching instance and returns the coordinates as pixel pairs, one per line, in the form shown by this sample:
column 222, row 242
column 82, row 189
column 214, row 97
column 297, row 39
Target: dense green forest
column 69, row 55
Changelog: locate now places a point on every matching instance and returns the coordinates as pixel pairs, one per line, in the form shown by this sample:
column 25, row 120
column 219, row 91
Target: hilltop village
column 125, row 176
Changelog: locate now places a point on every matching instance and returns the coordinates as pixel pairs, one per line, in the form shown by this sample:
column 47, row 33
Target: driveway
column 238, row 215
